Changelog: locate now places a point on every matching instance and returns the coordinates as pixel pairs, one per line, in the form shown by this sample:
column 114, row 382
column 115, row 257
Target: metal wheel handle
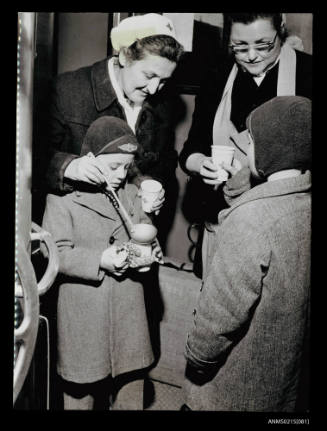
column 53, row 264
column 30, row 290
column 53, row 260
column 26, row 333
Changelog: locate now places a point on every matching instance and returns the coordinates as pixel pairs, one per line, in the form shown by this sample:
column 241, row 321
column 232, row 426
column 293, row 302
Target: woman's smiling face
column 141, row 78
column 261, row 31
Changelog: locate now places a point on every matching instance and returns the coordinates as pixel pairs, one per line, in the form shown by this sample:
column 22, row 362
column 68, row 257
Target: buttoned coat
column 102, row 321
column 253, row 311
column 80, row 97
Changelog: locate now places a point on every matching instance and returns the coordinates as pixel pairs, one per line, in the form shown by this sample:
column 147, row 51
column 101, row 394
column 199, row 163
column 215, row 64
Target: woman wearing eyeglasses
column 259, row 66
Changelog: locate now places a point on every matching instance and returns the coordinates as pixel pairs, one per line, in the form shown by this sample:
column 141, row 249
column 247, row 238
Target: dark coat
column 102, row 320
column 246, row 96
column 252, row 315
column 80, row 97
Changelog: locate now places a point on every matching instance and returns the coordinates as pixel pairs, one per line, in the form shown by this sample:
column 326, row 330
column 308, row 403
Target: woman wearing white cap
column 126, row 86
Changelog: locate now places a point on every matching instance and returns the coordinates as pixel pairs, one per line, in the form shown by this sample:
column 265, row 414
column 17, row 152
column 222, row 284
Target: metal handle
column 53, row 264
column 26, row 333
column 39, row 234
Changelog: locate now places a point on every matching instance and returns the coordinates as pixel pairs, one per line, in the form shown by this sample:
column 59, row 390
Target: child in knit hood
column 101, row 318
column 246, row 347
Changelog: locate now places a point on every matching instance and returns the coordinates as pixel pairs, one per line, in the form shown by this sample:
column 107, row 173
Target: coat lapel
column 101, row 204
column 104, row 94
column 97, row 202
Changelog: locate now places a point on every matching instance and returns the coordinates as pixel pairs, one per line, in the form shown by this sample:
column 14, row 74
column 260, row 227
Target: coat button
column 111, row 240
column 194, row 312
column 201, row 286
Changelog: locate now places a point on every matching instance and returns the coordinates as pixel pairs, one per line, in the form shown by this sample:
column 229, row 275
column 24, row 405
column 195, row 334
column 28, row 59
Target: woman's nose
column 153, row 85
column 252, row 53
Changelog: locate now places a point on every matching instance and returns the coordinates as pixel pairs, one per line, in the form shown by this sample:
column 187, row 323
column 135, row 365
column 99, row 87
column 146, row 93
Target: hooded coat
column 252, row 317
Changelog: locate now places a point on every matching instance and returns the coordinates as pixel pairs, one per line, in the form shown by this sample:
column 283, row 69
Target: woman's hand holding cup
column 209, row 172
column 222, row 154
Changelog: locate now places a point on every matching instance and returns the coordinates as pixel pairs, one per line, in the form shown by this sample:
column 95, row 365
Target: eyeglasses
column 261, row 48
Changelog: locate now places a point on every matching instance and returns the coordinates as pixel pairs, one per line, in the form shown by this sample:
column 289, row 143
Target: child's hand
column 115, row 260
column 158, row 203
column 136, row 258
column 234, row 168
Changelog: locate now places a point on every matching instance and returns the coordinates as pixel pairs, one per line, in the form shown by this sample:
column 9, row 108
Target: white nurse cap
column 139, row 26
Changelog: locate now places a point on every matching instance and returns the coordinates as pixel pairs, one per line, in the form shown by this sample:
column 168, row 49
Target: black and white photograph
column 163, row 214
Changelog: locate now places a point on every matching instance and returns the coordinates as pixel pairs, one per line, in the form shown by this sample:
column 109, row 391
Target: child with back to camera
column 252, row 320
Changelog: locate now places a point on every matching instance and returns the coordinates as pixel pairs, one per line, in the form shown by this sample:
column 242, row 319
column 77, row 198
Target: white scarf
column 131, row 112
column 223, row 128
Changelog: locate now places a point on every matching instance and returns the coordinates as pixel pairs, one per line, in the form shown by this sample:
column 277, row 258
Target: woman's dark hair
column 248, row 18
column 161, row 45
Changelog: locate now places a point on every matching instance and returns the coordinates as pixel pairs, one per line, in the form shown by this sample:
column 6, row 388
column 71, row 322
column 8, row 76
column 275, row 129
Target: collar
column 286, row 173
column 101, row 204
column 104, row 93
column 97, row 202
column 115, row 92
column 131, row 110
column 120, row 95
column 285, row 186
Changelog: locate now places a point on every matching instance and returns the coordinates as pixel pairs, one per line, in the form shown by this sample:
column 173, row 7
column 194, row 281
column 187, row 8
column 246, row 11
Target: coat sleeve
column 58, row 140
column 228, row 298
column 158, row 157
column 74, row 261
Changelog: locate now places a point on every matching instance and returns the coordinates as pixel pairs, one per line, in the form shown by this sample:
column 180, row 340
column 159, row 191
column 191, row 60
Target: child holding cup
column 100, row 296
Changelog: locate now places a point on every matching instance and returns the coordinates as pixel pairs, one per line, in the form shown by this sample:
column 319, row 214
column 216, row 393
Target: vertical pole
column 24, row 125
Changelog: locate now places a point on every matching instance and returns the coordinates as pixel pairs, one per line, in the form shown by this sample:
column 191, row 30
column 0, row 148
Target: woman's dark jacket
column 246, row 96
column 80, row 97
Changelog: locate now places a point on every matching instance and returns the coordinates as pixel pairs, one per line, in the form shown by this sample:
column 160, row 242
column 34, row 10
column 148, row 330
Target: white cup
column 150, row 191
column 222, row 154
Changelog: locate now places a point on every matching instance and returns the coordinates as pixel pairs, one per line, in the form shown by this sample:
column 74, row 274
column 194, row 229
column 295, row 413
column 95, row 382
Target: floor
column 161, row 396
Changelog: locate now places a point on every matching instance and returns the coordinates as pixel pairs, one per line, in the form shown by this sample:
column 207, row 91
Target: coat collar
column 101, row 204
column 97, row 202
column 269, row 189
column 103, row 91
